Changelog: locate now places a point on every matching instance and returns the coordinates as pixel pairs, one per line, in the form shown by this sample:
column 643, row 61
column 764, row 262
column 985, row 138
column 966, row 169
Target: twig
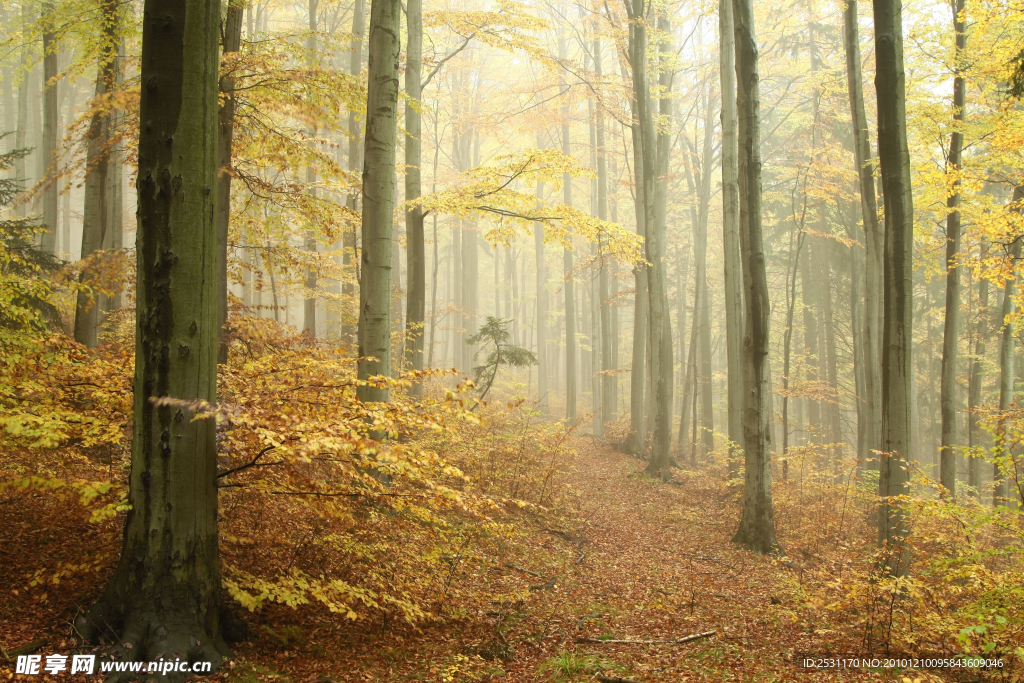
column 251, row 463
column 654, row 641
column 614, row 679
column 509, row 565
column 25, row 649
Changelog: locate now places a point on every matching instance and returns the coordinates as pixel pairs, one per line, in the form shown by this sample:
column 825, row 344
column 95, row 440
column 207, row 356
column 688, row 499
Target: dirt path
column 631, row 559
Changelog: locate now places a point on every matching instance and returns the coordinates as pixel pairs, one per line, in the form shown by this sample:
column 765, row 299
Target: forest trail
column 628, row 558
column 636, row 559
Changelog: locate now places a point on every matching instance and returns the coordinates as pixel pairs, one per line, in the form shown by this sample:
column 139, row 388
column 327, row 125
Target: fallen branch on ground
column 614, row 679
column 685, row 639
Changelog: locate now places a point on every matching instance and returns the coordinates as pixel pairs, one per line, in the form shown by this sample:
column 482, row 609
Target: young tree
column 873, row 242
column 164, row 598
column 416, row 253
column 98, row 212
column 894, row 158
column 757, row 525
column 50, row 133
column 730, row 233
column 378, row 197
column 951, row 326
column 225, row 132
column 1007, row 343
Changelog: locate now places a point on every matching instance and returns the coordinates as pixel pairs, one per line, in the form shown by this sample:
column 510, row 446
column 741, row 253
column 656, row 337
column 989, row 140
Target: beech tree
column 164, row 598
column 894, row 158
column 757, row 524
column 378, row 198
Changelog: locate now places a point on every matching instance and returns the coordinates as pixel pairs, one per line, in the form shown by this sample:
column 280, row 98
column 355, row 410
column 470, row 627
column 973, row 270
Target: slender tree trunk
column 309, row 241
column 50, row 197
column 543, row 367
column 873, row 242
column 974, row 434
column 1000, row 469
column 378, row 198
column 96, row 215
column 730, row 235
column 757, row 525
column 898, row 300
column 349, row 240
column 651, row 193
column 416, row 253
column 225, row 133
column 707, row 426
column 951, row 326
column 164, row 599
column 568, row 278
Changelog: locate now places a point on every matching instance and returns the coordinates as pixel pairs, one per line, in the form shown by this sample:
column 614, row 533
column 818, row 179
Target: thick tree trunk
column 100, row 178
column 415, row 247
column 225, row 133
column 951, row 326
column 637, row 382
column 974, row 434
column 50, row 196
column 898, row 301
column 873, row 242
column 757, row 525
column 730, row 235
column 378, row 198
column 164, row 599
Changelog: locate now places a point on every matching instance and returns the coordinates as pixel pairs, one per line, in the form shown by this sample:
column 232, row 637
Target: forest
column 628, row 341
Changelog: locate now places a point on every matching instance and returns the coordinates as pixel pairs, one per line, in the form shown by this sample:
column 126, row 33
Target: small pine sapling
column 494, row 336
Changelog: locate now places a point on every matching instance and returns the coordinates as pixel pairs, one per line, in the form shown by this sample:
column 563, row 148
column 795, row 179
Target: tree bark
column 99, row 179
column 225, row 133
column 568, row 277
column 651, row 194
column 951, row 326
column 757, row 525
column 873, row 242
column 309, row 299
column 1000, row 469
column 416, row 300
column 164, row 599
column 378, row 198
column 349, row 255
column 974, row 390
column 898, row 300
column 50, row 198
column 730, row 235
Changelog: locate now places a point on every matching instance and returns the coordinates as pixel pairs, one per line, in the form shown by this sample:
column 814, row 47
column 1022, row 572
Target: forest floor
column 631, row 559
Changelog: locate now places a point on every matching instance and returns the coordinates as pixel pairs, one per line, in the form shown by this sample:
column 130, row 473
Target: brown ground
column 635, row 560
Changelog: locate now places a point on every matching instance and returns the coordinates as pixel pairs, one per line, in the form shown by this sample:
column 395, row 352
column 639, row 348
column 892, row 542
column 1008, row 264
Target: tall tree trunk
column 378, row 198
column 808, row 293
column 309, row 240
column 225, row 133
column 97, row 213
column 730, row 235
column 896, row 375
column 651, row 192
column 415, row 247
column 951, row 326
column 609, row 381
column 50, row 198
column 707, row 426
column 974, row 390
column 349, row 241
column 757, row 525
column 164, row 599
column 1001, row 469
column 873, row 238
column 568, row 278
column 543, row 362
column 637, row 383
